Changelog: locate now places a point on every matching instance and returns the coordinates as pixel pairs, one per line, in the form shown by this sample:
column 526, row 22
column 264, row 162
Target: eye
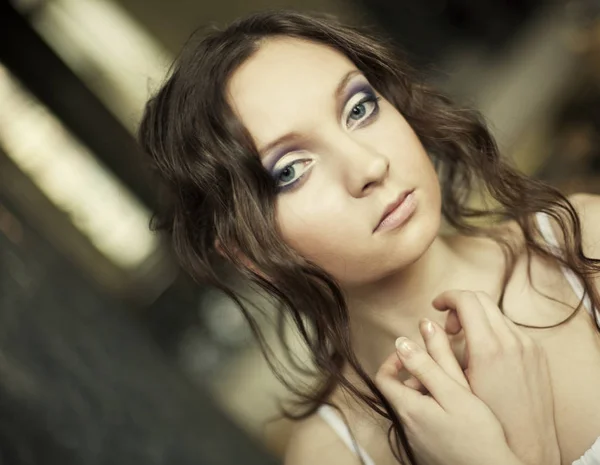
column 291, row 172
column 362, row 110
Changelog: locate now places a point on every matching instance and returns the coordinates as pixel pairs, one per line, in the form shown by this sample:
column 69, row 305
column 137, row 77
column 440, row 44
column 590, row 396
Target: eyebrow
column 294, row 136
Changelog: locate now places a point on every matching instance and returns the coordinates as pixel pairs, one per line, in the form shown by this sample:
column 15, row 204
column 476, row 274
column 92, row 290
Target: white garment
column 548, row 234
column 333, row 419
column 591, row 456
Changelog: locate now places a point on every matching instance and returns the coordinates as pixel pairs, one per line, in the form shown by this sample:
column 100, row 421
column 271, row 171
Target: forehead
column 275, row 91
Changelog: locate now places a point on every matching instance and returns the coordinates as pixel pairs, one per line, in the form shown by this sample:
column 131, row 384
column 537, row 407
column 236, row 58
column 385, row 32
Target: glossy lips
column 397, row 212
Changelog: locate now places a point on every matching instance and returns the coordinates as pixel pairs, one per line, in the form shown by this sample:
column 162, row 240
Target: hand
column 450, row 426
column 508, row 371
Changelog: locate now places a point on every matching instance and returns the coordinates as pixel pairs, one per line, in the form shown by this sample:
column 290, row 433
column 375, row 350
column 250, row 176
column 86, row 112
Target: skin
column 507, row 375
column 352, row 166
column 352, row 172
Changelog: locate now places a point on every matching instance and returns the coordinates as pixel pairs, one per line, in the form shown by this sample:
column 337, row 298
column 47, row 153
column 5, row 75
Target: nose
column 365, row 170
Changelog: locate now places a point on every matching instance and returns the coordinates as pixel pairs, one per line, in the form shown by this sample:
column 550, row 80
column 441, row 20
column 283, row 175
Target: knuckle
column 513, row 346
column 423, row 368
column 467, row 298
column 491, row 351
column 409, row 413
column 530, row 346
column 465, row 294
column 482, row 295
column 400, row 403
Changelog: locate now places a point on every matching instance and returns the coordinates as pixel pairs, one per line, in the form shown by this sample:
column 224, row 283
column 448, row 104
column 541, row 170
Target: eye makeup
column 357, row 87
column 362, row 95
column 302, row 164
column 271, row 160
column 361, row 92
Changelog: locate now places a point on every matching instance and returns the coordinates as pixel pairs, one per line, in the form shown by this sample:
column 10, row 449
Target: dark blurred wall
column 425, row 28
column 430, row 28
column 82, row 383
column 172, row 22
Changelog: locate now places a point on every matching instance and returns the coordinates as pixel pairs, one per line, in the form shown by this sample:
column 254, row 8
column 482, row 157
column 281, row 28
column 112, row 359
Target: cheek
column 397, row 139
column 409, row 162
column 321, row 226
column 307, row 221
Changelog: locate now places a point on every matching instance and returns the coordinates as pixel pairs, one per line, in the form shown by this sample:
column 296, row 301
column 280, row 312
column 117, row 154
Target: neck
column 382, row 311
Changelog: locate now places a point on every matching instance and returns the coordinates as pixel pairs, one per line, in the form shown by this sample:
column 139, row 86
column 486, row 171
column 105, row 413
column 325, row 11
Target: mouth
column 397, row 212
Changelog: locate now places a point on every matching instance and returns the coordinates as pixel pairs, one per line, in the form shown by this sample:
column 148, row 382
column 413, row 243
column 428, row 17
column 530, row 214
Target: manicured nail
column 428, row 328
column 405, row 346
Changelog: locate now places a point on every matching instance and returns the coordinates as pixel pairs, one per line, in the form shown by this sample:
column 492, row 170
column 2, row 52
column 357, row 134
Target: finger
column 400, row 396
column 518, row 339
column 395, row 364
column 444, row 389
column 518, row 331
column 507, row 329
column 415, row 384
column 498, row 320
column 438, row 346
column 452, row 325
column 471, row 315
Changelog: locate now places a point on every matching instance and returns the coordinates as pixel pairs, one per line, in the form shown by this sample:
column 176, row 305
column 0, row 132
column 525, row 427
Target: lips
column 393, row 206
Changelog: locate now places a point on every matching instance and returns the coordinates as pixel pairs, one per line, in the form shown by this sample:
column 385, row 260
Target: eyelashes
column 291, row 173
column 360, row 109
column 363, row 106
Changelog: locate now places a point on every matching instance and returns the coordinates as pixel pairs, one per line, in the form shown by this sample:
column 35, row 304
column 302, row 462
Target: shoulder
column 588, row 210
column 313, row 441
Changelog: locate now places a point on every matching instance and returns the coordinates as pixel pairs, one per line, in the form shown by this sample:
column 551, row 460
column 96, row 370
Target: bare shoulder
column 539, row 294
column 588, row 209
column 313, row 441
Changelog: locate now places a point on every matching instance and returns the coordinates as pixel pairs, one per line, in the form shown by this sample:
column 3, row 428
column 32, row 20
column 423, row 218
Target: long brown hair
column 218, row 192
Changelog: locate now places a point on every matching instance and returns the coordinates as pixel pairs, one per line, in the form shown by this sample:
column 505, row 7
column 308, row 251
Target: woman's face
column 341, row 155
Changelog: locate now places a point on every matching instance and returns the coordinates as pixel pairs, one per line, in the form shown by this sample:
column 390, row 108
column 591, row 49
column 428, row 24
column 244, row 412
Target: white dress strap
column 591, row 456
column 328, row 414
column 548, row 235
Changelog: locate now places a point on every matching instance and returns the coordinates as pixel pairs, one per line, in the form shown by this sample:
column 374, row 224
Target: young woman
column 308, row 157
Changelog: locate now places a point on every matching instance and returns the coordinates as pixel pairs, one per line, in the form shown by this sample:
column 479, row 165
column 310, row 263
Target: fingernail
column 428, row 328
column 405, row 346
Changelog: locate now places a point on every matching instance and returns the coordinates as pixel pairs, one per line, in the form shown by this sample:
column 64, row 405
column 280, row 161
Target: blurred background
column 75, row 202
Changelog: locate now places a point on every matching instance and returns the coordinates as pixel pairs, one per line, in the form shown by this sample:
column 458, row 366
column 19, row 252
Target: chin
column 386, row 263
column 416, row 239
